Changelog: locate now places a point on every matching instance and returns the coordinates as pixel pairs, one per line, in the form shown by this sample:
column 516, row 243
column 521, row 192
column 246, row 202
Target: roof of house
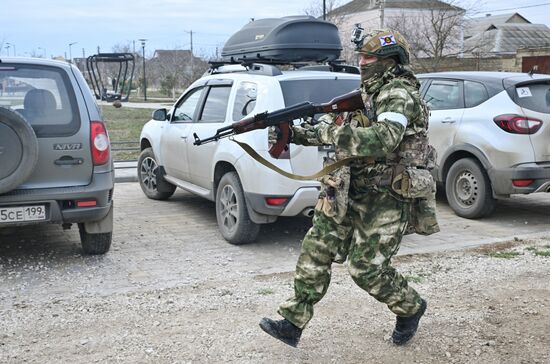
column 476, row 25
column 357, row 6
column 508, row 37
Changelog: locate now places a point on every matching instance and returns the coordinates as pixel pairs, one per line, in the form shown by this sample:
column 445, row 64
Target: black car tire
column 94, row 244
column 18, row 160
column 151, row 183
column 231, row 212
column 468, row 189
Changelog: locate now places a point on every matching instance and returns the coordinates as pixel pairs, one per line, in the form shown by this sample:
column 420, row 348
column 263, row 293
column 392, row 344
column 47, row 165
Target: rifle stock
column 350, row 101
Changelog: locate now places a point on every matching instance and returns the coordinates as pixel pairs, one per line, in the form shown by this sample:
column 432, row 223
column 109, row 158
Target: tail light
column 276, row 201
column 99, row 140
column 522, row 182
column 517, row 124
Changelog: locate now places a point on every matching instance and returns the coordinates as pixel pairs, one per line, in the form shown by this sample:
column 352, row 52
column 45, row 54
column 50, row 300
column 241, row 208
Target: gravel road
column 489, row 305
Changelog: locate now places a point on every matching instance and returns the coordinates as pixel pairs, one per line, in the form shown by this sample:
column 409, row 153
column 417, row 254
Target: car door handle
column 448, row 121
column 68, row 161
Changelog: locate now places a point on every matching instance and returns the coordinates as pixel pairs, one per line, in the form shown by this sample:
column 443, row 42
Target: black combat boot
column 405, row 327
column 283, row 330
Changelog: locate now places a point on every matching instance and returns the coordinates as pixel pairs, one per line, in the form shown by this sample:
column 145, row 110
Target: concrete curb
column 126, row 171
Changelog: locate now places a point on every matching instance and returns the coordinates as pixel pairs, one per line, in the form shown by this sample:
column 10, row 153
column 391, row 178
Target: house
column 501, row 35
column 413, row 18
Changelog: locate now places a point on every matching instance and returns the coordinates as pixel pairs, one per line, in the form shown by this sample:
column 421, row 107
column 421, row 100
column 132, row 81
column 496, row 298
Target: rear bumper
column 304, row 198
column 60, row 202
column 502, row 179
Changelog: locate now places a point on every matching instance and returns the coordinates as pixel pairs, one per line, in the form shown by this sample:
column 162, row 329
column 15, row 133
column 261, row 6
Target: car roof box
column 284, row 40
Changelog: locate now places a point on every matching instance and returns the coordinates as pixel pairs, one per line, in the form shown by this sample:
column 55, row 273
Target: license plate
column 22, row 213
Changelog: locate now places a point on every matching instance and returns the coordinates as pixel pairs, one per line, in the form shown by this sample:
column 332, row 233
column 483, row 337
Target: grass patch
column 504, row 255
column 124, row 125
column 265, row 291
column 542, row 254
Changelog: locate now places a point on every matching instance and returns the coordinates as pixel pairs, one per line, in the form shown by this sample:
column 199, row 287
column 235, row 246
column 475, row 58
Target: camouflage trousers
column 369, row 237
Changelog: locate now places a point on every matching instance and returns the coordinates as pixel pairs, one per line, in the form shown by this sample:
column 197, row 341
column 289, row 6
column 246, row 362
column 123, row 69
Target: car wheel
column 149, row 179
column 231, row 213
column 468, row 189
column 94, row 244
column 18, row 150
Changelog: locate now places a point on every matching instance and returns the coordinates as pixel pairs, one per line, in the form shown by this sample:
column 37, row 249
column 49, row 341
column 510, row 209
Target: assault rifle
column 283, row 117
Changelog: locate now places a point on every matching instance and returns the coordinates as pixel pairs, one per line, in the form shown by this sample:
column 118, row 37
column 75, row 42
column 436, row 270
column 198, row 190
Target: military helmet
column 381, row 43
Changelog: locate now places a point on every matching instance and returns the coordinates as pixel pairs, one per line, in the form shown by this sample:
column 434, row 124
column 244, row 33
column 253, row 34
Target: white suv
column 245, row 192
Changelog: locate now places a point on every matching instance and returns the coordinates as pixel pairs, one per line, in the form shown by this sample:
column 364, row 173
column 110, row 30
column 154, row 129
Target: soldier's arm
column 307, row 134
column 395, row 108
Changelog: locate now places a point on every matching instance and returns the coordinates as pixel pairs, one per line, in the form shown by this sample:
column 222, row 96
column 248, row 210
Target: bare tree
column 315, row 9
column 174, row 70
column 436, row 33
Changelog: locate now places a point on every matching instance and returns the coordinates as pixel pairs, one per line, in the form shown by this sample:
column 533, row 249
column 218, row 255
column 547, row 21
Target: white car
column 246, row 193
column 491, row 131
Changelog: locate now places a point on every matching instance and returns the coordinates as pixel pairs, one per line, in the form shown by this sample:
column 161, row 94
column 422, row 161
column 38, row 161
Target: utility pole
column 382, row 5
column 191, row 35
column 70, row 52
column 324, row 9
column 144, row 79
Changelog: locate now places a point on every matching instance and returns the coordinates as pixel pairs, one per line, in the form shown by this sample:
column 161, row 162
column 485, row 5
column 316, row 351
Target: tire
column 94, row 244
column 468, row 189
column 18, row 150
column 231, row 212
column 149, row 179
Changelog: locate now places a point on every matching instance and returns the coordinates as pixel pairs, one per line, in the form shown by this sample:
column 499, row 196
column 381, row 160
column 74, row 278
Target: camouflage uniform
column 360, row 217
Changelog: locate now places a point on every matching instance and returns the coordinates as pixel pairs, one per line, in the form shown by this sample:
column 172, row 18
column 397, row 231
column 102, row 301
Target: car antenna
column 533, row 70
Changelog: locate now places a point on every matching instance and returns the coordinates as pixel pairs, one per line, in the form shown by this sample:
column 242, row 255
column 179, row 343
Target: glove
column 274, row 133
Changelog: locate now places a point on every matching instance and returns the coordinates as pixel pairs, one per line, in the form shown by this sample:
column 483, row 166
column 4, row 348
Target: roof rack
column 217, row 67
column 272, row 69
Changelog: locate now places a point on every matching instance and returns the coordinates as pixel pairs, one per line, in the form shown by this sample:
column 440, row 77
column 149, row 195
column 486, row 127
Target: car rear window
column 534, row 97
column 43, row 95
column 316, row 91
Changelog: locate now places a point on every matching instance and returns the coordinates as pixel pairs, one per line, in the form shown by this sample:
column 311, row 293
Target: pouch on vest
column 423, row 215
column 333, row 199
column 413, row 183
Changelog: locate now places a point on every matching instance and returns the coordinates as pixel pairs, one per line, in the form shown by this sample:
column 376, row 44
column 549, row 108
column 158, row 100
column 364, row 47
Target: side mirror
column 160, row 115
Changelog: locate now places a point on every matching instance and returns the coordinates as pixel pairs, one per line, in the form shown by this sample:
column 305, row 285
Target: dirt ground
column 489, row 305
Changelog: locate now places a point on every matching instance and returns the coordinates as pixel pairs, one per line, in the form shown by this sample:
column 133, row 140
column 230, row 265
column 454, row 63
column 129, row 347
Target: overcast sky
column 47, row 27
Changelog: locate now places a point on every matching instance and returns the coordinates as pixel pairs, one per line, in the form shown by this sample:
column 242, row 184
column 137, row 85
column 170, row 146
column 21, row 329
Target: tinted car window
column 245, row 100
column 43, row 95
column 297, row 91
column 443, row 94
column 534, row 97
column 474, row 93
column 186, row 109
column 215, row 106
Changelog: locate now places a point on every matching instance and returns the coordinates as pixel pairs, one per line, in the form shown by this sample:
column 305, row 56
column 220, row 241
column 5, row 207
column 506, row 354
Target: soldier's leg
column 379, row 221
column 325, row 242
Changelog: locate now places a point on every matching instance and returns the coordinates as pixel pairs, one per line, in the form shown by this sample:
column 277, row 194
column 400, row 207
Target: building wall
column 506, row 63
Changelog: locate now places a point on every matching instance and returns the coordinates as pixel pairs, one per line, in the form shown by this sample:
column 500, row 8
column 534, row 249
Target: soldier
column 366, row 206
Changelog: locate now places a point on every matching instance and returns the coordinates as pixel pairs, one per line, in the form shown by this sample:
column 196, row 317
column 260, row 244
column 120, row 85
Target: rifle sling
column 326, row 170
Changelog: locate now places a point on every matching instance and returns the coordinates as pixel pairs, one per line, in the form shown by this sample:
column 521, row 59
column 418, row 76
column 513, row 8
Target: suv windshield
column 42, row 95
column 316, row 91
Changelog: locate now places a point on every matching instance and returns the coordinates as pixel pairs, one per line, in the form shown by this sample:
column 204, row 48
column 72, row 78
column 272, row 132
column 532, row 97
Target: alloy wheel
column 148, row 173
column 229, row 207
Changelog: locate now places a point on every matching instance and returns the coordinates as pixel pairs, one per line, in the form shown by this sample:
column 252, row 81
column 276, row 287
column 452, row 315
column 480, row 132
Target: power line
column 516, row 8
